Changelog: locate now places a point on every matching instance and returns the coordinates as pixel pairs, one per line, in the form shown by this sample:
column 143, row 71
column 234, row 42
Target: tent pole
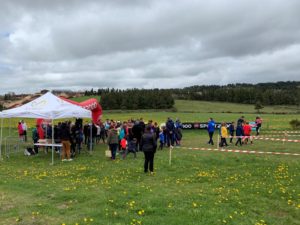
column 9, row 127
column 52, row 125
column 1, row 140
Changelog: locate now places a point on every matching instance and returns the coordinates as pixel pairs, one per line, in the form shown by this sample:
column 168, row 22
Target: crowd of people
column 135, row 135
column 241, row 131
column 129, row 136
column 123, row 138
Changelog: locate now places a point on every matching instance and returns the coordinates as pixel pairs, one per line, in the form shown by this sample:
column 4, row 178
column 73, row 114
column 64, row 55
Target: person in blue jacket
column 239, row 134
column 211, row 130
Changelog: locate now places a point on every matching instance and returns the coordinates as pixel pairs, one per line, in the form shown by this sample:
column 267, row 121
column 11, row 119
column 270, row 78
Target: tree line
column 279, row 93
column 132, row 99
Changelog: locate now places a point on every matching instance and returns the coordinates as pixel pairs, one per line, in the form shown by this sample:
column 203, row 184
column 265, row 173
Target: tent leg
column 1, row 139
column 9, row 127
column 52, row 142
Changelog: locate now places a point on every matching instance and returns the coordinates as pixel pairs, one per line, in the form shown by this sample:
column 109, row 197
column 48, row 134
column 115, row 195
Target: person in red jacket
column 247, row 133
column 20, row 131
column 123, row 144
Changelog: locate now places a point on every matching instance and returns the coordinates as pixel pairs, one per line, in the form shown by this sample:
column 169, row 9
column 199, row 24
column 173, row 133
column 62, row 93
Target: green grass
column 217, row 107
column 270, row 121
column 220, row 107
column 199, row 187
column 83, row 98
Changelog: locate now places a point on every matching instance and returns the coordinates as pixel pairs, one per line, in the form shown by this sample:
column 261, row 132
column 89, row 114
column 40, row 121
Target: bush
column 295, row 124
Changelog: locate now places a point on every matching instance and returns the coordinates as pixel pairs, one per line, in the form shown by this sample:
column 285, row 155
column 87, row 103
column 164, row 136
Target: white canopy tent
column 47, row 106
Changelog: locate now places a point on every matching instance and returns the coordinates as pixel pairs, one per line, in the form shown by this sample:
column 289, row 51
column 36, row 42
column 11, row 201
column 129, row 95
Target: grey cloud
column 83, row 44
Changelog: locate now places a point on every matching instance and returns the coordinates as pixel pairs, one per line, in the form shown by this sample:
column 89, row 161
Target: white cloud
column 146, row 44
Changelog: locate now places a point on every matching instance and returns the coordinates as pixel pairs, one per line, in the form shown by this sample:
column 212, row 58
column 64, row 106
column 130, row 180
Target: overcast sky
column 83, row 44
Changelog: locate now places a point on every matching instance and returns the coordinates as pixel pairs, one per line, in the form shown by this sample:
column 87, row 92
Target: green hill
column 219, row 107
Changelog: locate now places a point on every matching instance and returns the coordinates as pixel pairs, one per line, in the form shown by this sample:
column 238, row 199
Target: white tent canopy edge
column 47, row 106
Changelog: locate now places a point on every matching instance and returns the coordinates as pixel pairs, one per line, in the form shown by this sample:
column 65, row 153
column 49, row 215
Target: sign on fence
column 200, row 125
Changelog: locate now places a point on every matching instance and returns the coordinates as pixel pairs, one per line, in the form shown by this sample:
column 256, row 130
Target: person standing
column 231, row 131
column 86, row 133
column 211, row 129
column 247, row 133
column 241, row 120
column 137, row 131
column 161, row 140
column 178, row 133
column 239, row 134
column 24, row 127
column 258, row 122
column 224, row 135
column 170, row 127
column 20, row 131
column 65, row 140
column 113, row 141
column 148, row 146
column 131, row 147
column 35, row 139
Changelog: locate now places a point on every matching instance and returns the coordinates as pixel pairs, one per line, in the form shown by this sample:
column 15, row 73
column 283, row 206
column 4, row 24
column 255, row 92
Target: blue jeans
column 113, row 148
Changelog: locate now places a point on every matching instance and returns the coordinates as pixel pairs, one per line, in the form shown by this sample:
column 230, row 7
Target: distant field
column 198, row 111
column 204, row 106
column 83, row 98
column 218, row 107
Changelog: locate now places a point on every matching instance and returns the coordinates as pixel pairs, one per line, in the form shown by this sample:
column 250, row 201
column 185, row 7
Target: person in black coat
column 170, row 132
column 137, row 131
column 148, row 146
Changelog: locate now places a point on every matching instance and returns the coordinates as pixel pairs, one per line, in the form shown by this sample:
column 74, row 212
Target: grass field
column 220, row 107
column 199, row 187
column 83, row 98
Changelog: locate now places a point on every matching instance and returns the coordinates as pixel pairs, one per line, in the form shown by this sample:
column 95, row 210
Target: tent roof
column 47, row 106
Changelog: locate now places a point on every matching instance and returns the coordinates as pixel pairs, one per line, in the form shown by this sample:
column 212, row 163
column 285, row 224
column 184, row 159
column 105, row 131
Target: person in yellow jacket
column 224, row 135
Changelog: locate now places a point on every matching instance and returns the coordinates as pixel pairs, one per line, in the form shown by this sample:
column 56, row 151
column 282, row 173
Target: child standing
column 123, row 145
column 247, row 133
column 258, row 122
column 20, row 131
column 131, row 147
column 239, row 133
column 224, row 134
column 161, row 139
column 231, row 131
